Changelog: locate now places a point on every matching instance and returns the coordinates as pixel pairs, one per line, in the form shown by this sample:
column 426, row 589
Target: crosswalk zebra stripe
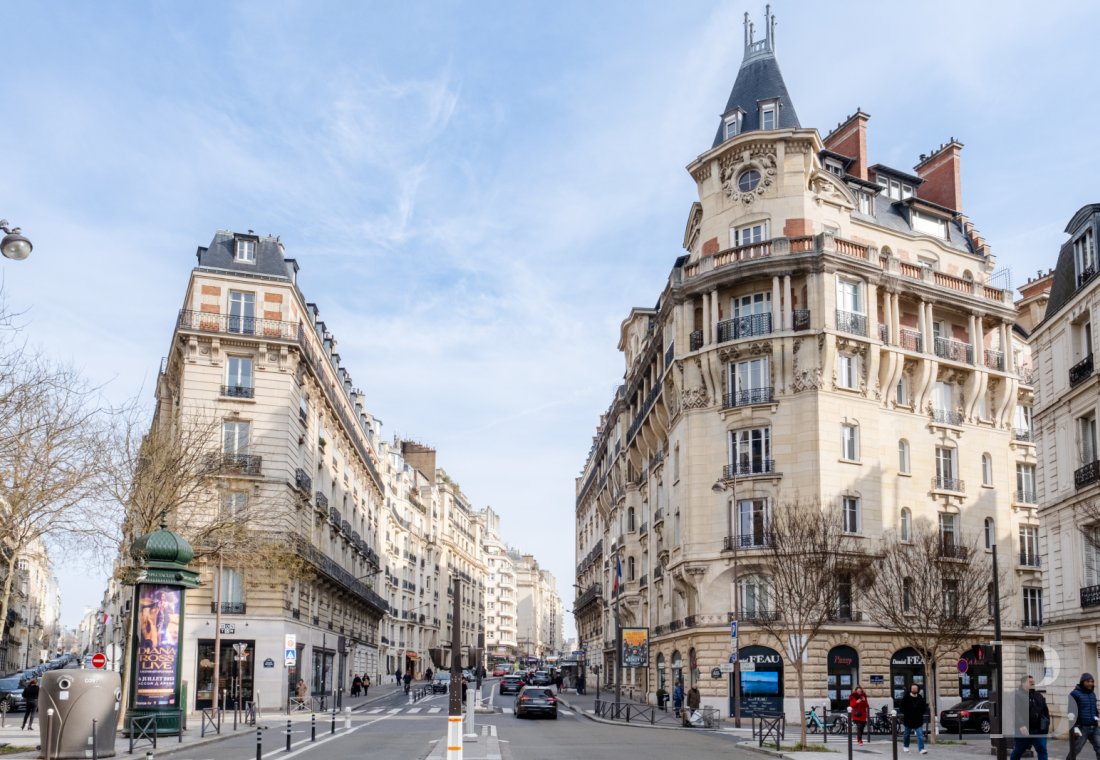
column 413, row 710
column 375, row 711
column 435, row 710
column 395, row 710
column 507, row 710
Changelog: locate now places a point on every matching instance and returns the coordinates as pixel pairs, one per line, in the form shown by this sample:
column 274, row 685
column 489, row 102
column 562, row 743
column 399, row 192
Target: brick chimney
column 850, row 139
column 942, row 175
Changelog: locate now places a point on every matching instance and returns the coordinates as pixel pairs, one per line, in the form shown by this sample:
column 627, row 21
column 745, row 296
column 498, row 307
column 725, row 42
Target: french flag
column 617, row 581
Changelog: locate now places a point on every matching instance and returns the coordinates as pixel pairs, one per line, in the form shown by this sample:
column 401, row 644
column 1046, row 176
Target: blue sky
column 477, row 193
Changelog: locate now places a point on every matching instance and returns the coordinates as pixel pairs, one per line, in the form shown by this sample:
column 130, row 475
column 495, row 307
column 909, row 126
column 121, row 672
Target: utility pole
column 454, row 693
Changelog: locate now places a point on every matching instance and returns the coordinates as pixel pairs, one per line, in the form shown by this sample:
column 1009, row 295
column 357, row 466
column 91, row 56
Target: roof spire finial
column 747, row 39
column 771, row 28
column 766, row 45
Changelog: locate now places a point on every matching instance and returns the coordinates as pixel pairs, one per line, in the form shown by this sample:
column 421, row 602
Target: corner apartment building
column 501, row 626
column 538, row 609
column 834, row 332
column 1063, row 347
column 295, row 451
column 34, row 611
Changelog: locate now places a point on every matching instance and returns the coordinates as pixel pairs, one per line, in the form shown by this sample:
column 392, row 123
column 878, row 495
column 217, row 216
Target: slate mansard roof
column 270, row 256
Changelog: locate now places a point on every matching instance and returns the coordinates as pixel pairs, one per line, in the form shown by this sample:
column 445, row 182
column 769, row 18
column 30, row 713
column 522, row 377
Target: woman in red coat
column 861, row 711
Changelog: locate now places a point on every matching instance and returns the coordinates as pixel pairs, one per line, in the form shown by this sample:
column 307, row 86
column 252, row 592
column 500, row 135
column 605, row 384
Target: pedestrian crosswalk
column 423, row 710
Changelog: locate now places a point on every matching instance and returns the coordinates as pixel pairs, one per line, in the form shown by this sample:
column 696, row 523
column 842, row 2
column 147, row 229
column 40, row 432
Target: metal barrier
column 250, row 713
column 630, row 712
column 143, row 728
column 421, row 692
column 212, row 717
column 767, row 726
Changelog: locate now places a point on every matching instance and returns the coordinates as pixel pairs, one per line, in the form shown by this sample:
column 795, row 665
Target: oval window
column 748, row 181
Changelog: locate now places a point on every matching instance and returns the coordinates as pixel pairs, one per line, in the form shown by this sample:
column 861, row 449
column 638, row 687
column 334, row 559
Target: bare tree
column 50, row 455
column 812, row 562
column 933, row 593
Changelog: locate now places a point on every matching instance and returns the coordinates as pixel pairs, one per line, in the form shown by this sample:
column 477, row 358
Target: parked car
column 441, row 682
column 511, row 684
column 536, row 700
column 11, row 694
column 541, row 678
column 500, row 670
column 973, row 714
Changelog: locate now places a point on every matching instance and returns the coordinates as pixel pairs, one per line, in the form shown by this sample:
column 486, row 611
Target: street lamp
column 732, row 540
column 14, row 245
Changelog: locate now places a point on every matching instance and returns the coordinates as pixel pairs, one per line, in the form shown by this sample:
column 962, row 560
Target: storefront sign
column 634, row 649
column 158, row 618
column 761, row 680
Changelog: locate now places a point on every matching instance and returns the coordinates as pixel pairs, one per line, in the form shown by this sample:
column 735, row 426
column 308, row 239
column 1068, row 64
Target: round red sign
column 99, row 660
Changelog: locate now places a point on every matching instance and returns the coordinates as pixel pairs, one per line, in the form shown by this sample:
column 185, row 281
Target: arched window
column 677, row 668
column 903, row 456
column 987, row 470
column 662, row 676
column 906, row 524
column 907, row 594
column 990, row 532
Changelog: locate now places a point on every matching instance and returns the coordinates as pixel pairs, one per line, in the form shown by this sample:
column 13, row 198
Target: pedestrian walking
column 558, row 682
column 356, row 685
column 407, row 679
column 581, row 684
column 1032, row 721
column 861, row 711
column 397, row 676
column 366, row 684
column 30, row 696
column 913, row 708
column 694, row 699
column 428, row 674
column 1081, row 709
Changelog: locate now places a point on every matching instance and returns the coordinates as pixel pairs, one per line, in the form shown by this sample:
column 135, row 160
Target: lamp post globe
column 15, row 245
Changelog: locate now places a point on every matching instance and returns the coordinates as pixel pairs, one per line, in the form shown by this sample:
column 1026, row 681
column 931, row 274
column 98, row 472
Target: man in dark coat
column 913, row 708
column 1032, row 721
column 1081, row 709
column 30, row 696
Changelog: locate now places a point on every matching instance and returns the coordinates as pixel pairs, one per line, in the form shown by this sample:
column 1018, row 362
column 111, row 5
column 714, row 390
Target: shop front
column 906, row 668
column 978, row 680
column 235, row 673
column 761, row 681
column 842, row 675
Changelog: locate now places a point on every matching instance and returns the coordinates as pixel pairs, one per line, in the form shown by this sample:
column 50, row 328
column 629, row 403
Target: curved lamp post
column 14, row 245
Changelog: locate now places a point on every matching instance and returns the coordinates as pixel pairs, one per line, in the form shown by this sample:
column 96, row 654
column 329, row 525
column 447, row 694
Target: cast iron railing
column 947, row 416
column 238, row 391
column 1086, row 475
column 748, row 397
column 754, row 466
column 801, row 319
column 911, row 340
column 850, row 322
column 1080, row 371
column 955, row 350
column 943, row 483
column 241, row 464
column 744, row 327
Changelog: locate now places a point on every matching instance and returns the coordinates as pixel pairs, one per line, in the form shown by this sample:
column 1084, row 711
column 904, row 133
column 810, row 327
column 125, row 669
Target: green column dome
column 162, row 547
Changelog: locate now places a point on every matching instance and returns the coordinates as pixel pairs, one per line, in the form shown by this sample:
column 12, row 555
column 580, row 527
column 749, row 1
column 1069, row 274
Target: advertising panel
column 158, row 620
column 634, row 649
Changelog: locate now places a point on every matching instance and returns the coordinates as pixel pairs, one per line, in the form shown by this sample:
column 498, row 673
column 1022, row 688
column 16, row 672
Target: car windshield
column 529, row 692
column 9, row 684
column 444, row 676
column 968, row 705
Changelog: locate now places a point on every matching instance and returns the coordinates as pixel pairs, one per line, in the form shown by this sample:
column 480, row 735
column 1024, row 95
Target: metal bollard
column 894, row 731
column 347, row 718
column 259, row 744
column 313, row 727
column 95, row 749
column 849, row 733
column 333, row 721
column 288, row 736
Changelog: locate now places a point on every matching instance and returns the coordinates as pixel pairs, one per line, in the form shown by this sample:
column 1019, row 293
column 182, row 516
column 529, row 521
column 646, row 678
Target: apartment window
column 834, row 167
column 748, row 180
column 751, row 451
column 756, row 596
column 989, row 531
column 749, row 381
column 847, row 371
column 630, row 520
column 901, row 393
column 733, row 125
column 630, row 568
column 844, row 609
column 235, row 504
column 903, row 456
column 242, row 312
column 1022, row 420
column 951, row 598
column 1084, row 256
column 849, row 442
column 849, row 296
column 895, row 189
column 676, row 464
column 1029, row 545
column 303, row 408
column 949, row 530
column 987, row 470
column 853, row 519
column 907, row 594
column 929, row 225
column 1086, row 438
column 1025, row 483
column 235, row 438
column 750, row 234
column 231, row 587
column 768, row 115
column 906, row 524
column 866, row 204
column 1092, row 556
column 1033, row 607
column 238, row 376
column 752, row 522
column 245, row 250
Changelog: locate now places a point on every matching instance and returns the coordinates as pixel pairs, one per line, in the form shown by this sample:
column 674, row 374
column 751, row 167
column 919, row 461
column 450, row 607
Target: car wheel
column 985, row 726
column 6, row 705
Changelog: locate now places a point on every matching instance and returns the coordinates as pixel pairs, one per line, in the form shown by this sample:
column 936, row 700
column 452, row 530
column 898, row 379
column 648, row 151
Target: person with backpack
column 1081, row 709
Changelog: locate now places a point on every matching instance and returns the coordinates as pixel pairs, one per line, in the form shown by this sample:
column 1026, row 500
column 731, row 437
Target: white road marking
column 413, row 710
column 395, row 710
column 506, row 710
column 375, row 711
column 434, row 710
column 565, row 712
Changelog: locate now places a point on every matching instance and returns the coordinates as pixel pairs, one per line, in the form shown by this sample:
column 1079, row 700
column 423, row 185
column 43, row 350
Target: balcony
column 759, row 615
column 229, row 608
column 947, row 417
column 845, row 615
column 1086, row 475
column 1085, row 275
column 658, row 517
column 801, row 319
column 658, row 573
column 643, row 529
column 643, row 581
column 911, row 340
column 943, row 483
column 744, row 327
column 954, row 551
column 322, row 500
column 1022, row 434
column 303, row 482
column 995, row 360
column 747, row 541
column 747, row 397
column 236, row 324
column 1090, row 596
column 1026, row 497
column 749, row 467
column 689, row 621
column 669, row 355
column 850, row 322
column 1080, row 371
column 675, row 625
column 240, row 464
column 238, row 391
column 1030, row 559
column 695, row 340
column 954, row 350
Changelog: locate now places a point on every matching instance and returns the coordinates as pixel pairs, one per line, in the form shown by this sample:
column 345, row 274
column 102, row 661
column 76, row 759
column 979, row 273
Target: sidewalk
column 12, row 736
column 585, row 704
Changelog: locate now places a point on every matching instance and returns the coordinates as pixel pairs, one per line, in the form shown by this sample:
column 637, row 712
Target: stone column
column 777, row 315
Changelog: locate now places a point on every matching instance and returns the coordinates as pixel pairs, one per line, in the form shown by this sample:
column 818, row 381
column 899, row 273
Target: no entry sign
column 99, row 660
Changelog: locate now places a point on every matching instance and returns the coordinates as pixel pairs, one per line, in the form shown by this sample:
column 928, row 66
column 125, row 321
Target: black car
column 11, row 694
column 511, row 685
column 541, row 678
column 536, row 700
column 441, row 684
column 973, row 714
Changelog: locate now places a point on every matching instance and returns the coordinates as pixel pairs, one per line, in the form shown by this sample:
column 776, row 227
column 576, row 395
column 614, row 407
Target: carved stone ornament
column 733, row 353
column 807, row 380
column 758, row 156
column 827, row 189
column 695, row 398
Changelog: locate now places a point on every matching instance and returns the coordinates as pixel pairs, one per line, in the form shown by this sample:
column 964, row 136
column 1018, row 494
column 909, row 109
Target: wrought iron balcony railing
column 744, row 327
column 942, row 483
column 695, row 340
column 955, row 350
column 1021, row 434
column 748, row 397
column 1082, row 370
column 1085, row 275
column 1090, row 596
column 759, row 615
column 947, row 416
column 322, row 500
column 240, row 464
column 230, row 608
column 801, row 319
column 756, row 540
column 1030, row 559
column 845, row 615
column 238, row 391
column 995, row 360
column 749, row 467
column 1086, row 475
column 954, row 551
column 236, row 324
column 911, row 340
column 669, row 355
column 303, row 482
column 1024, row 496
column 850, row 322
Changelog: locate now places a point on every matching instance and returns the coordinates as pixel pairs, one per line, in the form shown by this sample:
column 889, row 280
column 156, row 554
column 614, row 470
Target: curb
column 607, row 721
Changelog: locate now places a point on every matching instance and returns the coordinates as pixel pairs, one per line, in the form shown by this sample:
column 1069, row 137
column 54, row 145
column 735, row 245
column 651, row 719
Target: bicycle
column 839, row 724
column 814, row 723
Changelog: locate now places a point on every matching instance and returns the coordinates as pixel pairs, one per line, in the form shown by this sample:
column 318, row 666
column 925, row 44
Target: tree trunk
column 933, row 713
column 6, row 600
column 801, row 702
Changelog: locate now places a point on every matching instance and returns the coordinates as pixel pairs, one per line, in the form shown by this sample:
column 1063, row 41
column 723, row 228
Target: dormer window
column 733, row 124
column 866, row 203
column 929, row 225
column 895, row 189
column 834, row 167
column 1084, row 257
column 245, row 250
column 769, row 116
